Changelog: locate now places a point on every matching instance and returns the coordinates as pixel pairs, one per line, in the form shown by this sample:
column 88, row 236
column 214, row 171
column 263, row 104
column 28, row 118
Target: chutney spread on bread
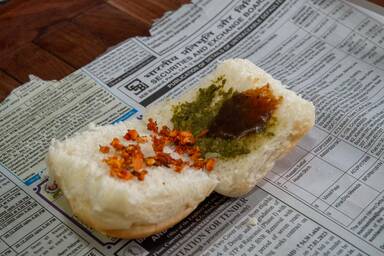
column 229, row 120
column 218, row 122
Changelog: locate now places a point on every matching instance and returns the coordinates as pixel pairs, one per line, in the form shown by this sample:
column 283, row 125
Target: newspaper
column 325, row 198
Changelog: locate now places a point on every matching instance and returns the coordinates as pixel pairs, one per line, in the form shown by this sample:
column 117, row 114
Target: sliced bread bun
column 294, row 118
column 123, row 208
column 134, row 209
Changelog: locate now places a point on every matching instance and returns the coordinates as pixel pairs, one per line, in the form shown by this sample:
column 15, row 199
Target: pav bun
column 138, row 208
column 294, row 116
column 119, row 208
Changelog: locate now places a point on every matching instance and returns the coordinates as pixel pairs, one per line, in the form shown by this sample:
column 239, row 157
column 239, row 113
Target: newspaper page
column 325, row 198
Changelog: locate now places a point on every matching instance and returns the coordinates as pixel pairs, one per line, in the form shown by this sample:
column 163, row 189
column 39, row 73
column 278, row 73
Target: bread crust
column 240, row 189
column 141, row 231
column 137, row 231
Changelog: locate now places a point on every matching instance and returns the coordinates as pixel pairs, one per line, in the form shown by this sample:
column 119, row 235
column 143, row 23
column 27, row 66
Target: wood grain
column 51, row 39
column 110, row 24
column 30, row 17
column 7, row 84
column 141, row 10
column 71, row 43
column 34, row 14
column 31, row 59
column 168, row 5
column 10, row 40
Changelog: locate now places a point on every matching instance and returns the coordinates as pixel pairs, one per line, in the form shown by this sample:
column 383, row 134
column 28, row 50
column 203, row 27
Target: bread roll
column 120, row 208
column 139, row 208
column 294, row 118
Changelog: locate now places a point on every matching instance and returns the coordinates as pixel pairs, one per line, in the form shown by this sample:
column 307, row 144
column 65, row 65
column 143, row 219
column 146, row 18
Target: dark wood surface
column 51, row 39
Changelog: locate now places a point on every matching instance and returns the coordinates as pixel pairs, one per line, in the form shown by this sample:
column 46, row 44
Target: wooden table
column 52, row 38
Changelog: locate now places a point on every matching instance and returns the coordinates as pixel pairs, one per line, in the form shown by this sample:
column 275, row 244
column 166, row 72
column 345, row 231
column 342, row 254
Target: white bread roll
column 295, row 117
column 120, row 208
column 133, row 208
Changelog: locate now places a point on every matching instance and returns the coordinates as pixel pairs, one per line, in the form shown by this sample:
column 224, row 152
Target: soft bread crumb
column 109, row 203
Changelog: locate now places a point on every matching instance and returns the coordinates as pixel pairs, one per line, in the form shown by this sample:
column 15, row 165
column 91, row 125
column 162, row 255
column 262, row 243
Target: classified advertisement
column 325, row 198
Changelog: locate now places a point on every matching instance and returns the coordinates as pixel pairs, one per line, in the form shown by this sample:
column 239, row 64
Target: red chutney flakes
column 128, row 162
